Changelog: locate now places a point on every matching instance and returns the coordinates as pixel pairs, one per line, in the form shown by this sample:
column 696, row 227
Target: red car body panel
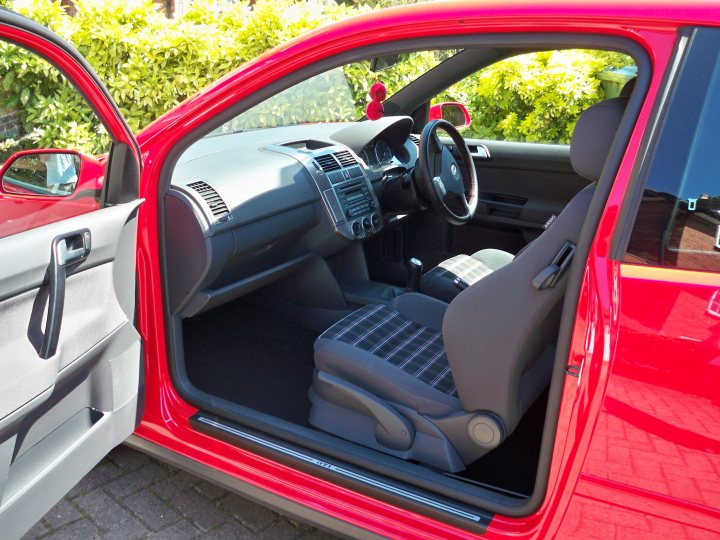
column 621, row 463
column 573, row 479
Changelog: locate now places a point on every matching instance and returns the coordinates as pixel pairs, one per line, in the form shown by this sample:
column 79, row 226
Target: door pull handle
column 66, row 250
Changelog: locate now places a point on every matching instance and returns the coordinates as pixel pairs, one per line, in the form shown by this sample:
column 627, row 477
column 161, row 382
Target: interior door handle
column 66, row 250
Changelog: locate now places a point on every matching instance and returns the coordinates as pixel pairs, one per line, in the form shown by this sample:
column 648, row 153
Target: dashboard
column 244, row 209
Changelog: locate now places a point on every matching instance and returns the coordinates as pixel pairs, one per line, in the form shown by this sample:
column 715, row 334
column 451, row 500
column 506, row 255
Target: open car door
column 71, row 360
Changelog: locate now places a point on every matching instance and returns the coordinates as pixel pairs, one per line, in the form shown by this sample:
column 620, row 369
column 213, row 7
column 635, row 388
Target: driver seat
column 447, row 279
column 444, row 384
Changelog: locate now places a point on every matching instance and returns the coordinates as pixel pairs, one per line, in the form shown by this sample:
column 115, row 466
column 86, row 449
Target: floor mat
column 252, row 357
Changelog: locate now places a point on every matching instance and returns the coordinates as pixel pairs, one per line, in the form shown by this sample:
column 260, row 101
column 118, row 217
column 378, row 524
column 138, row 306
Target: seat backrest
column 496, row 330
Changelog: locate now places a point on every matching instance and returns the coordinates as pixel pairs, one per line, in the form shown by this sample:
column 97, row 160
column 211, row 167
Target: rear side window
column 678, row 222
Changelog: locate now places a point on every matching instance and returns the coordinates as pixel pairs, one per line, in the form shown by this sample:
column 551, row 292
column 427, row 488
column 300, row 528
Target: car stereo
column 347, row 193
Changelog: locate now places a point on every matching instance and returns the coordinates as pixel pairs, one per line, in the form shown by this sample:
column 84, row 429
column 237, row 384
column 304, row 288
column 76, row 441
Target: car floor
column 252, row 356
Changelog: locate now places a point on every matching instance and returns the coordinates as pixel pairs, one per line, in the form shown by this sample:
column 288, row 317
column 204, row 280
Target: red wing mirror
column 51, row 173
column 452, row 111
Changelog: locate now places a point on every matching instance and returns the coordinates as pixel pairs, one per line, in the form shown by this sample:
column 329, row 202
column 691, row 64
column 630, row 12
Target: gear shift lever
column 415, row 268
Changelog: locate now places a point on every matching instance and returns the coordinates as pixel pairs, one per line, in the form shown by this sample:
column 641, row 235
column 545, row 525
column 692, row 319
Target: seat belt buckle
column 549, row 275
column 460, row 283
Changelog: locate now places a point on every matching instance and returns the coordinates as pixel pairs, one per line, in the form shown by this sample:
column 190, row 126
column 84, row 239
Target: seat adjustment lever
column 393, row 430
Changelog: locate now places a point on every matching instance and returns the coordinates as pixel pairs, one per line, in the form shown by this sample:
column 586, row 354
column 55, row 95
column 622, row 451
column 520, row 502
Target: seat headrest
column 593, row 136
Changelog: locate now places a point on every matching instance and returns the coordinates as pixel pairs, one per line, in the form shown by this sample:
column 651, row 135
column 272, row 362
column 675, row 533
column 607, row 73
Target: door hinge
column 574, row 370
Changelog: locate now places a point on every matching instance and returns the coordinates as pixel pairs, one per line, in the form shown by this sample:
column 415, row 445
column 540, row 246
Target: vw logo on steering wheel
column 454, row 170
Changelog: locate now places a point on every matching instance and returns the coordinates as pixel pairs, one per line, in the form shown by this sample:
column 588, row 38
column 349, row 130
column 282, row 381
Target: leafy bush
column 535, row 97
column 150, row 64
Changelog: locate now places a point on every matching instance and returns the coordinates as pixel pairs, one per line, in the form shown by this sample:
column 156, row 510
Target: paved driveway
column 132, row 496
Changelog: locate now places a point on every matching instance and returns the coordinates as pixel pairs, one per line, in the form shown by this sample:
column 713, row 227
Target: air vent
column 415, row 138
column 345, row 158
column 207, row 192
column 327, row 163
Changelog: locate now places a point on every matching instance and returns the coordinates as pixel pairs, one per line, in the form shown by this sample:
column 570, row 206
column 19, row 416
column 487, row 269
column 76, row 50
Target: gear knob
column 415, row 268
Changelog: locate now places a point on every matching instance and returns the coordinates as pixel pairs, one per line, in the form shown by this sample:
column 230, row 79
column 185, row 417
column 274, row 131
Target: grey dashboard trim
column 356, row 136
column 210, row 298
column 191, row 199
column 329, row 190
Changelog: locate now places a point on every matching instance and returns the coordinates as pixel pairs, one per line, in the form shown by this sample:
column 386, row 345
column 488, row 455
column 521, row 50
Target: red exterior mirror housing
column 25, row 203
column 452, row 111
column 30, row 173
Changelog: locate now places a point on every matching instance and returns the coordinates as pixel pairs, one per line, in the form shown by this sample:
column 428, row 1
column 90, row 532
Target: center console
column 347, row 193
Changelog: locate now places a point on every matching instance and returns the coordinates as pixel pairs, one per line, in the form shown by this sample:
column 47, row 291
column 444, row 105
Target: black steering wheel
column 448, row 185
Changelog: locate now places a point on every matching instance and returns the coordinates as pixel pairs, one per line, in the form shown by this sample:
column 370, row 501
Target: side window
column 48, row 135
column 538, row 97
column 678, row 222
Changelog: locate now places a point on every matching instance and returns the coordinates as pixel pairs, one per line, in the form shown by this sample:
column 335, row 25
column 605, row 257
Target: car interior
column 386, row 295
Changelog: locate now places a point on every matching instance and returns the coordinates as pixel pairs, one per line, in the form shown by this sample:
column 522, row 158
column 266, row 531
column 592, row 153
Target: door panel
column 523, row 184
column 59, row 416
column 71, row 360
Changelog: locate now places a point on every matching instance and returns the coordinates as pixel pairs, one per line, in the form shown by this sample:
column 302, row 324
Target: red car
column 240, row 304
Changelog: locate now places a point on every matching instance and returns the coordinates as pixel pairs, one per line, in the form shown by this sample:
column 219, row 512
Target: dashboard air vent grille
column 415, row 138
column 212, row 198
column 345, row 158
column 327, row 163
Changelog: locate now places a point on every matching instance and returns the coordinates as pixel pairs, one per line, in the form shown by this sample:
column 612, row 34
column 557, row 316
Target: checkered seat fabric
column 463, row 266
column 439, row 282
column 412, row 347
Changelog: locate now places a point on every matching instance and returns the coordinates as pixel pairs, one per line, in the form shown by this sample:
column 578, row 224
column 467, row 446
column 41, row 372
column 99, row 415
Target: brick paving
column 131, row 496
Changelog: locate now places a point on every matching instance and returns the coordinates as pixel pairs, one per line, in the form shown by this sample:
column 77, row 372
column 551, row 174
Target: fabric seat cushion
column 382, row 350
column 438, row 282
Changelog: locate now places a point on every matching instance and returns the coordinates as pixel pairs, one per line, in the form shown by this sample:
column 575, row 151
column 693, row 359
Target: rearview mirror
column 451, row 111
column 381, row 63
column 52, row 173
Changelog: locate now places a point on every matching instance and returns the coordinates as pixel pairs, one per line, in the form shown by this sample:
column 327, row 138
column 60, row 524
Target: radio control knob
column 366, row 224
column 349, row 213
column 375, row 220
column 356, row 228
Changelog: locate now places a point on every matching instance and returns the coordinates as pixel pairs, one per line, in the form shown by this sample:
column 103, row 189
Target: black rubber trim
column 260, row 496
column 123, row 176
column 490, row 501
column 404, row 496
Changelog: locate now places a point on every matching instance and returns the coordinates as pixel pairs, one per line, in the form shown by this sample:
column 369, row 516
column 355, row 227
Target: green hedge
column 150, row 64
column 535, row 97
